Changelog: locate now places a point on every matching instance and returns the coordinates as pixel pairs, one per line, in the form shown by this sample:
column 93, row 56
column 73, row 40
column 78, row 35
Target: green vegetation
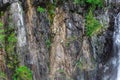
column 1, row 13
column 81, row 2
column 98, row 3
column 40, row 9
column 2, row 35
column 8, row 39
column 92, row 25
column 51, row 10
column 10, row 46
column 3, row 76
column 48, row 43
column 50, row 7
column 61, row 71
column 22, row 73
column 79, row 64
column 1, row 24
column 70, row 40
column 95, row 2
column 67, row 44
column 11, row 40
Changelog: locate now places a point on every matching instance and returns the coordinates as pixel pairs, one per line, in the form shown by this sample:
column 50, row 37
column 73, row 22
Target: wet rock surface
column 61, row 50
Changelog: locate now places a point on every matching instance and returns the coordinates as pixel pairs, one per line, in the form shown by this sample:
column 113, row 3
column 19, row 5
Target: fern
column 23, row 73
column 92, row 25
column 40, row 9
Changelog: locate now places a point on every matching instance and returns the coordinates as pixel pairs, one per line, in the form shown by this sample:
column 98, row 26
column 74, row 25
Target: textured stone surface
column 71, row 54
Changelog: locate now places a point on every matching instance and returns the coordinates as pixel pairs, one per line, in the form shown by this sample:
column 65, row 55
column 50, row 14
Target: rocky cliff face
column 55, row 46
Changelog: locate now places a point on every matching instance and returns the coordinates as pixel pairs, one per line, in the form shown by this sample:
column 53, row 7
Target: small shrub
column 23, row 73
column 95, row 2
column 2, row 35
column 91, row 2
column 51, row 11
column 92, row 25
column 12, row 38
column 1, row 24
column 40, row 9
column 81, row 2
column 48, row 43
column 12, row 58
column 3, row 76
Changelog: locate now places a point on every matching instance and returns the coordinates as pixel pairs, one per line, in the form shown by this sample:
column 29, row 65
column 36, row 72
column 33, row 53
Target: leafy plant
column 92, row 2
column 95, row 2
column 81, row 2
column 48, row 43
column 1, row 24
column 51, row 10
column 12, row 38
column 23, row 73
column 40, row 9
column 92, row 25
column 12, row 60
column 2, row 35
column 3, row 76
column 79, row 64
column 10, row 46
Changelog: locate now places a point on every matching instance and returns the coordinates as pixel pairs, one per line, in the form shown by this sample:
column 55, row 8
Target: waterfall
column 111, row 70
column 116, row 38
column 18, row 20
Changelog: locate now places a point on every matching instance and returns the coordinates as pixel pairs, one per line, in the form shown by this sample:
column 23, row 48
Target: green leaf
column 1, row 24
column 2, row 38
column 92, row 25
column 1, row 31
column 12, row 38
column 23, row 73
column 48, row 43
column 40, row 9
column 3, row 76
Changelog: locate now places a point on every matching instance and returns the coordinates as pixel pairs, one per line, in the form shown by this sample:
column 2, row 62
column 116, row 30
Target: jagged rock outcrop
column 59, row 50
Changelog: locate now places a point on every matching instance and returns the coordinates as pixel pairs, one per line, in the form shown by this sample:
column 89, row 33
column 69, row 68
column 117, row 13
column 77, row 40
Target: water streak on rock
column 117, row 43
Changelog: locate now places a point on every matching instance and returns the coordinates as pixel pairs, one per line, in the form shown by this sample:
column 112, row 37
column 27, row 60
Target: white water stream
column 19, row 21
column 116, row 39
